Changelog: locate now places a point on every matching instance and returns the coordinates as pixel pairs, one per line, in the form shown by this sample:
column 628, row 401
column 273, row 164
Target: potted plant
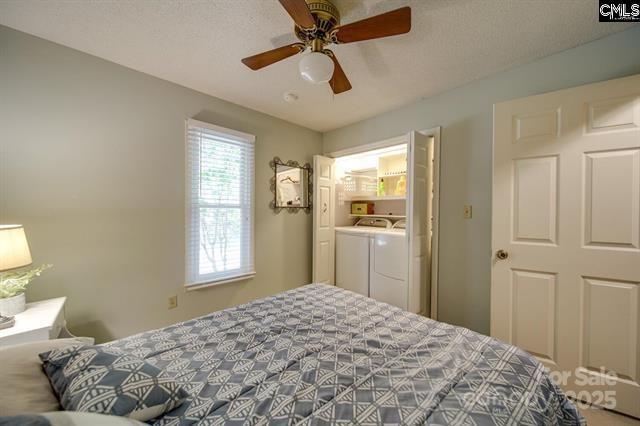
column 12, row 287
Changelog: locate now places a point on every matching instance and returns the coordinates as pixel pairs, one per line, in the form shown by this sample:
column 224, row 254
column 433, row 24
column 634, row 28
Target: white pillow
column 25, row 387
column 68, row 418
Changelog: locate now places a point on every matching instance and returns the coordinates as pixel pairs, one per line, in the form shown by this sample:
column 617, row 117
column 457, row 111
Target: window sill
column 207, row 284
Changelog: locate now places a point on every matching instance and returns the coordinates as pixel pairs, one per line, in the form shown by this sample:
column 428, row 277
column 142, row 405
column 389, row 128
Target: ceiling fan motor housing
column 326, row 16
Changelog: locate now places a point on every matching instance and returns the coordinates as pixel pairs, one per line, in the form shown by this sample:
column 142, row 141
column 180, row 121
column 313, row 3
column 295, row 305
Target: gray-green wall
column 92, row 163
column 465, row 115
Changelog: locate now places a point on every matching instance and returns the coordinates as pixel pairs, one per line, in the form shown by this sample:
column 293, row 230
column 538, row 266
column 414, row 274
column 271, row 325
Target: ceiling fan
column 317, row 24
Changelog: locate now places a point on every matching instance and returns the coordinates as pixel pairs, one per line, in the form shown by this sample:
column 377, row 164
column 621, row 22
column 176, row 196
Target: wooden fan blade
column 299, row 12
column 339, row 82
column 387, row 24
column 269, row 57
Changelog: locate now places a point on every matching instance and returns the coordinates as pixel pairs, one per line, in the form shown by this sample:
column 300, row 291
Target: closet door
column 418, row 219
column 324, row 236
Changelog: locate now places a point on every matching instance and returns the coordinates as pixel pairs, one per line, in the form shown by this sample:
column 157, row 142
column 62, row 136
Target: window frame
column 193, row 215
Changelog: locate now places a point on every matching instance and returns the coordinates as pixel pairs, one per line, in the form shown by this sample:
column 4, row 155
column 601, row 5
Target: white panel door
column 323, row 219
column 566, row 236
column 418, row 222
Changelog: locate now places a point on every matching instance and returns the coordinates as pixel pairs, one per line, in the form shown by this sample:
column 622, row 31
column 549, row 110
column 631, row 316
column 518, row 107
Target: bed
column 322, row 355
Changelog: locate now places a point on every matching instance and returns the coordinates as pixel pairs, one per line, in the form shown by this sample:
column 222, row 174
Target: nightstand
column 43, row 320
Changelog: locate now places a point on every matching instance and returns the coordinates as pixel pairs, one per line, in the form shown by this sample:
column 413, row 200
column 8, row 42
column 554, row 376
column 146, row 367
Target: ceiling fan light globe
column 316, row 67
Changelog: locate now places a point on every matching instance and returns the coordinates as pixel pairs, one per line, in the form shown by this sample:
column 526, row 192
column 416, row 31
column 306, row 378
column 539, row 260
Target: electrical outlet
column 173, row 302
column 468, row 211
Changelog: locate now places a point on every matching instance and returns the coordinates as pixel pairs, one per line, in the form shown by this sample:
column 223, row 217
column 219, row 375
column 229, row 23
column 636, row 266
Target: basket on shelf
column 359, row 184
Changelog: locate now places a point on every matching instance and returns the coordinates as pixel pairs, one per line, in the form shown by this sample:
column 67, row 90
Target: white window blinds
column 220, row 204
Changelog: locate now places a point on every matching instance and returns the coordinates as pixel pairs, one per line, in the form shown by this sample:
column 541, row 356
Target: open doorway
column 376, row 220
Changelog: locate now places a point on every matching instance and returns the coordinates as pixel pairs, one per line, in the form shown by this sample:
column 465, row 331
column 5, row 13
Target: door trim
column 398, row 140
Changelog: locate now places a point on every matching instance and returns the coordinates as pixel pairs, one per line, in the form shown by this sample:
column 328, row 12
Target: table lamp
column 14, row 249
column 14, row 253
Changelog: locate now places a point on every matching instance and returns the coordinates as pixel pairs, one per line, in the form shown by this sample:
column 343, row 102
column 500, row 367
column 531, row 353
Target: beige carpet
column 597, row 417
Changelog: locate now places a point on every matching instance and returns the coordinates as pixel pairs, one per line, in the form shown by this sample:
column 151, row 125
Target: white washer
column 388, row 267
column 352, row 259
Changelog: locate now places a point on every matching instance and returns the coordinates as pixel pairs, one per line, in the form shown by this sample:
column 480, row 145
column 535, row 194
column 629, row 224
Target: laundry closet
column 372, row 220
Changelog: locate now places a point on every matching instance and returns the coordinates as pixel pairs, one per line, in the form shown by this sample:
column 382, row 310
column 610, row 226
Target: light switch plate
column 468, row 211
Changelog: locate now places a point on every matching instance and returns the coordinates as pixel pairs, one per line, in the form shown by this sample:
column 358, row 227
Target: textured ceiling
column 199, row 44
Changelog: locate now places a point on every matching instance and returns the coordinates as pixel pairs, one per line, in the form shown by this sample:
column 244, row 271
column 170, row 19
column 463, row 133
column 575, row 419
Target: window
column 220, row 199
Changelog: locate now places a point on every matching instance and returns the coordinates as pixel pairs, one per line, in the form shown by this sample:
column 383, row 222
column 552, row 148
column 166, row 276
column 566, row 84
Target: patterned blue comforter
column 322, row 355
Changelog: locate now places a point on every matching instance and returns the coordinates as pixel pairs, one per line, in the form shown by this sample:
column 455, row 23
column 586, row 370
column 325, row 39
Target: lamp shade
column 14, row 249
column 316, row 67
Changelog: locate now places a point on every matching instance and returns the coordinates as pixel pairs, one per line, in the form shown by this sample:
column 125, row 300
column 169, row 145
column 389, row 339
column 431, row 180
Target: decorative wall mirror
column 291, row 186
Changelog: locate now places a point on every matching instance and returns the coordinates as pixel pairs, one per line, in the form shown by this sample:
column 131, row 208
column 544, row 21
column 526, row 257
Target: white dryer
column 388, row 267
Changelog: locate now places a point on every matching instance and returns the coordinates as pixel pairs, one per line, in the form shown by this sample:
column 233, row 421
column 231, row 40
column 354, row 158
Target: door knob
column 501, row 254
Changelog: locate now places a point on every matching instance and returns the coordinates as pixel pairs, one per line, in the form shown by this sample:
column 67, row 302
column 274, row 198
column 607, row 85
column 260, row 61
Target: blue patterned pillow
column 108, row 381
